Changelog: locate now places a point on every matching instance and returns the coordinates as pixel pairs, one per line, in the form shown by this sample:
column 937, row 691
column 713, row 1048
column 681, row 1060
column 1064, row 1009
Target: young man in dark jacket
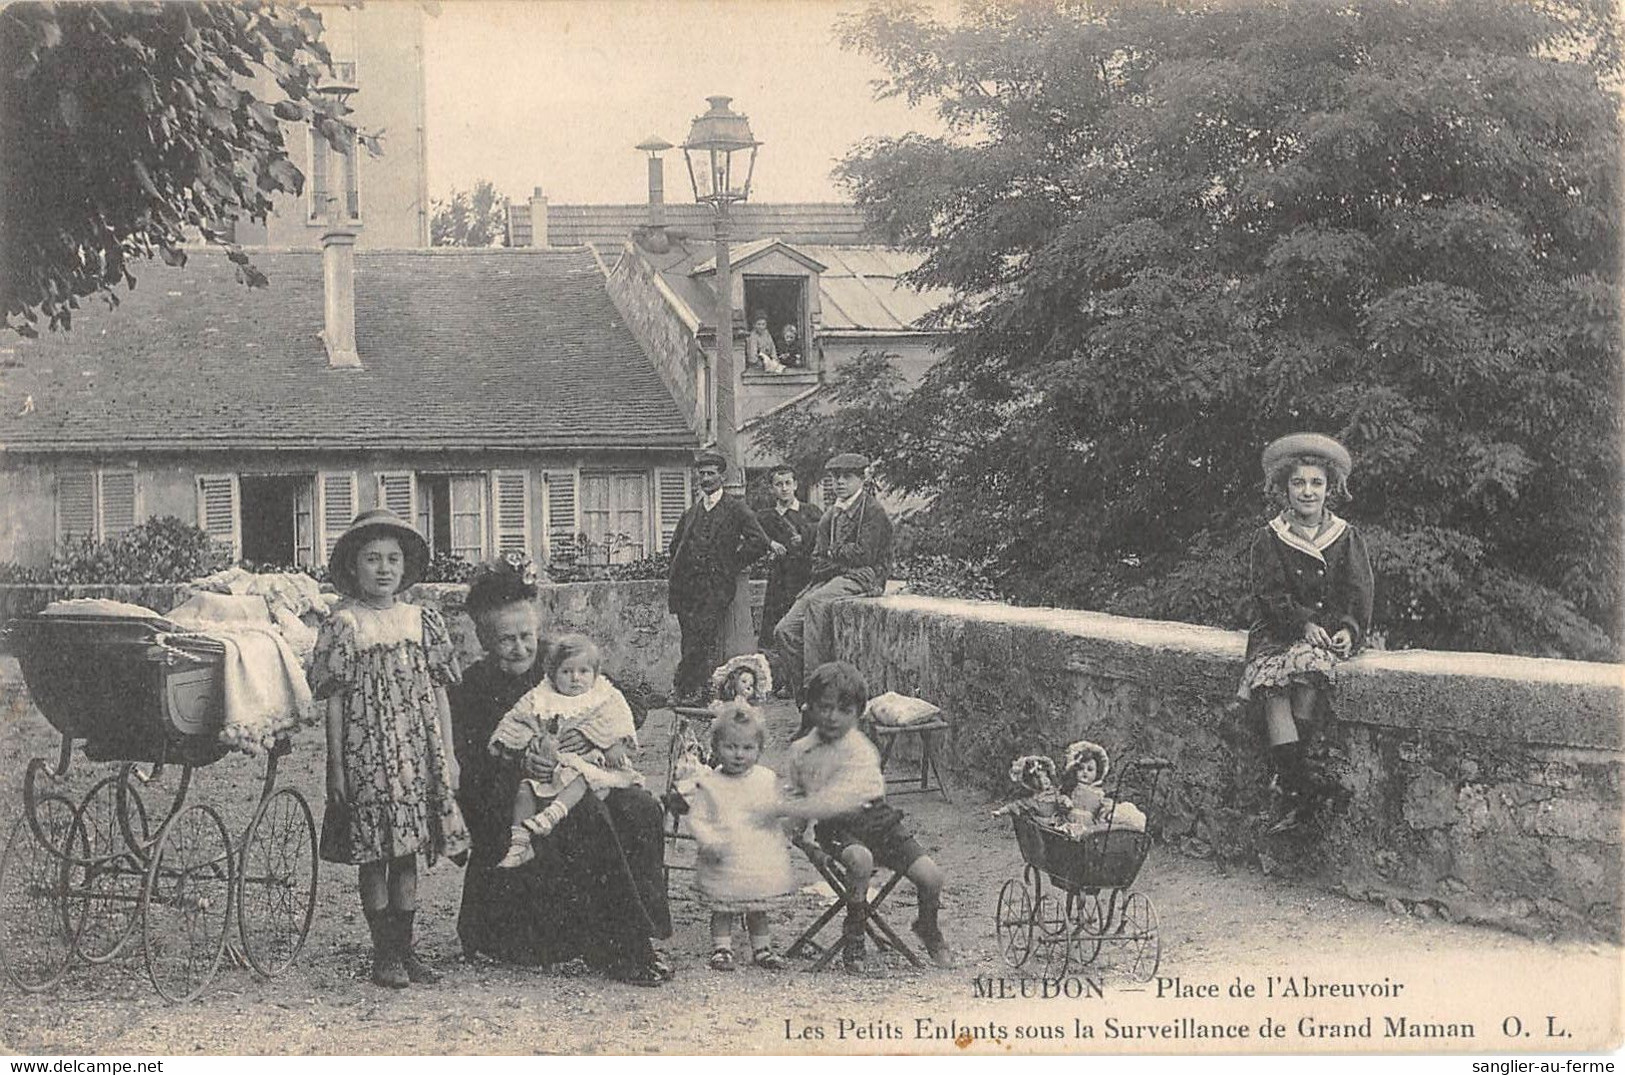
column 851, row 558
column 716, row 539
column 792, row 530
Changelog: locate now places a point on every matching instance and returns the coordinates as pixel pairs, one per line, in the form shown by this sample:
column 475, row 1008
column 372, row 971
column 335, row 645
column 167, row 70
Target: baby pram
column 82, row 876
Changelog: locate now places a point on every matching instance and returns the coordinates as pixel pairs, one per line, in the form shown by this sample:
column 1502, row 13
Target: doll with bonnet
column 1035, row 774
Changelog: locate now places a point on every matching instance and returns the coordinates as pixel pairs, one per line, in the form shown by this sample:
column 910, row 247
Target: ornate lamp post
column 721, row 155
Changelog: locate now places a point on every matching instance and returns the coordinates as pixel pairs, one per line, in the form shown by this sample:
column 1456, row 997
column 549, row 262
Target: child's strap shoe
column 768, row 959
column 545, row 822
column 519, row 849
column 722, row 959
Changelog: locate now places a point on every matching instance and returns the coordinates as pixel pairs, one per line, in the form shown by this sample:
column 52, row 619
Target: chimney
column 538, row 218
column 653, row 235
column 338, row 292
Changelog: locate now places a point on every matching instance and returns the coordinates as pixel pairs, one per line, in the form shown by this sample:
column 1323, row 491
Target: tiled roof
column 794, row 222
column 460, row 349
column 860, row 289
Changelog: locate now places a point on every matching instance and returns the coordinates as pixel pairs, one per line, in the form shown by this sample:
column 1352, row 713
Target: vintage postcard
column 381, row 674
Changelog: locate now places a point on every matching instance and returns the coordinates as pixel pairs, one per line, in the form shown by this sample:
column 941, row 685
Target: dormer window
column 776, row 323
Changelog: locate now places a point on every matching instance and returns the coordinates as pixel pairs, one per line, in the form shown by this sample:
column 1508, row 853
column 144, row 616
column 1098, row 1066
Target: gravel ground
column 1217, row 928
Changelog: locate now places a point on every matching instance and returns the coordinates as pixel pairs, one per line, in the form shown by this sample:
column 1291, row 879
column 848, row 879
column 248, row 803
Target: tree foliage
column 1183, row 229
column 127, row 127
column 477, row 217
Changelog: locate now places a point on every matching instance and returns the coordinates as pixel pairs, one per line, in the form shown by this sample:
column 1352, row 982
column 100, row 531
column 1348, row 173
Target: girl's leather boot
column 417, row 970
column 387, row 968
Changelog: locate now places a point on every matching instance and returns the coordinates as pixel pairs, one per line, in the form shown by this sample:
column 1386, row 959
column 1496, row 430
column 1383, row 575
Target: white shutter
column 335, row 506
column 217, row 511
column 672, row 498
column 510, row 504
column 397, row 491
column 117, row 502
column 562, row 523
column 468, row 517
column 75, row 506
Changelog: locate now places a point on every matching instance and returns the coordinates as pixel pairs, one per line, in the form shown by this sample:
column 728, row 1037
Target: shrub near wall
column 1479, row 787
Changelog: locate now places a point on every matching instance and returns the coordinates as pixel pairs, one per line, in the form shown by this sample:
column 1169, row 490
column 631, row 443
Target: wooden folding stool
column 874, row 923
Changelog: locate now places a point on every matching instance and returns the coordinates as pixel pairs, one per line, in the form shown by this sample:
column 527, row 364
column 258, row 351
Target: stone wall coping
column 1218, row 642
column 1521, row 699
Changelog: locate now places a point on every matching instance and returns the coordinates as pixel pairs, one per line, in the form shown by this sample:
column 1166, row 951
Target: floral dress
column 383, row 667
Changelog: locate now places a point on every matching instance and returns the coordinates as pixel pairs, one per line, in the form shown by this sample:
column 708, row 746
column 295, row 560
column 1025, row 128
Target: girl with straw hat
column 1311, row 588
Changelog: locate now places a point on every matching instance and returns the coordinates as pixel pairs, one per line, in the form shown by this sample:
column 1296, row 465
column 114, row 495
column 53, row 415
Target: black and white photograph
column 822, row 527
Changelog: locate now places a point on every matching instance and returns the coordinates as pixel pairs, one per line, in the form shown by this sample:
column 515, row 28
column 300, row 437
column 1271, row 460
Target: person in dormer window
column 760, row 350
column 790, row 347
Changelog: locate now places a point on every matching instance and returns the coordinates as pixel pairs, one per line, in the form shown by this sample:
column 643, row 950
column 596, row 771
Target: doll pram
column 82, row 875
column 689, row 752
column 1090, row 903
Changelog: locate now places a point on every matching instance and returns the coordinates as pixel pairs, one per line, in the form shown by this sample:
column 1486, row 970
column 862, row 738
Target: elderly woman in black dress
column 596, row 888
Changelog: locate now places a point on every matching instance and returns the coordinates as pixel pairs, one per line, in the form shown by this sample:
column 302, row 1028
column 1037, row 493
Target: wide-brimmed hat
column 379, row 522
column 1294, row 444
column 847, row 463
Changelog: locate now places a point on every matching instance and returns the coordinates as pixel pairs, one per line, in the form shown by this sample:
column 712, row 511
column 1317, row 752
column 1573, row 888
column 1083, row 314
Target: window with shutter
column 75, row 506
column 826, row 491
column 304, row 523
column 217, row 511
column 510, row 500
column 336, row 507
column 117, row 507
column 672, row 498
column 398, row 492
column 562, row 522
column 324, row 168
column 468, row 517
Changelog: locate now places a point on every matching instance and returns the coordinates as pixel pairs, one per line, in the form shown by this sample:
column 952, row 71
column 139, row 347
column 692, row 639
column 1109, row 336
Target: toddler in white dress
column 744, row 855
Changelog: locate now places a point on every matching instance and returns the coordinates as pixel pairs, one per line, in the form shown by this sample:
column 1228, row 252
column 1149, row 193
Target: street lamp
column 714, row 152
column 720, row 172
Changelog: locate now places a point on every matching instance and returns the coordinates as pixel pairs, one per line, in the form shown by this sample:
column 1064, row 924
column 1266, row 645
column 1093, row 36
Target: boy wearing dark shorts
column 836, row 783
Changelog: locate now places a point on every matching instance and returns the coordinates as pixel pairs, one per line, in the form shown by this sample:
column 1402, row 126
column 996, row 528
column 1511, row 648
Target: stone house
column 495, row 397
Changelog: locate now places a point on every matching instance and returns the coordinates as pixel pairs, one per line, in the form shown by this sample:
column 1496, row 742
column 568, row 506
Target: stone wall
column 1477, row 787
column 628, row 619
column 670, row 343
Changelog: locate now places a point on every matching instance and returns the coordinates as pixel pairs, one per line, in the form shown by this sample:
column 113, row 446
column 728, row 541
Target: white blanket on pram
column 265, row 688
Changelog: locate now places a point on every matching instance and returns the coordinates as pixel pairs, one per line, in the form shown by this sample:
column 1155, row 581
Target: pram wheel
column 1138, row 929
column 1054, row 935
column 186, row 902
column 276, row 887
column 36, row 936
column 1013, row 922
column 104, row 871
column 1084, row 908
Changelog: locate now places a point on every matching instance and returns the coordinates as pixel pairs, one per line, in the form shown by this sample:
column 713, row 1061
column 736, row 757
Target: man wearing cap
column 851, row 558
column 716, row 539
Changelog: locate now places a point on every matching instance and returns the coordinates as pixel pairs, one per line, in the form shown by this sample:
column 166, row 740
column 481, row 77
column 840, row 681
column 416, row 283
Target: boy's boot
column 930, row 934
column 416, row 970
column 387, row 969
column 1293, row 783
column 854, row 952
